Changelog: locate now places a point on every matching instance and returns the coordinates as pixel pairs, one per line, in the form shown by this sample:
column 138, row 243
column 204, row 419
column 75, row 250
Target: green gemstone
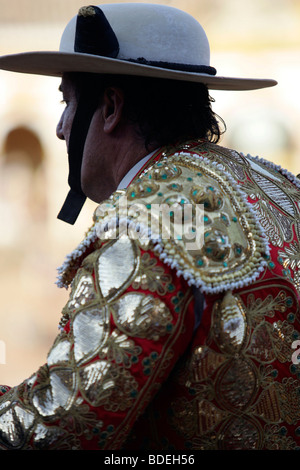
column 291, row 317
column 283, row 431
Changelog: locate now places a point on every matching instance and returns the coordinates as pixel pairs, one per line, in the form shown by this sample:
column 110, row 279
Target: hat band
column 175, row 66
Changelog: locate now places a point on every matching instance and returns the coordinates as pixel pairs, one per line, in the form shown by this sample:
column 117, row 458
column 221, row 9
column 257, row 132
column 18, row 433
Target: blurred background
column 257, row 38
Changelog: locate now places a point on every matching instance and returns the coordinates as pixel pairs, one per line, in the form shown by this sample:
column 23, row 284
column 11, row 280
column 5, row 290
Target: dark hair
column 165, row 111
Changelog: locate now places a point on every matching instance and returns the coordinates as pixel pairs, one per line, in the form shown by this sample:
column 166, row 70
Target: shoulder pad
column 197, row 219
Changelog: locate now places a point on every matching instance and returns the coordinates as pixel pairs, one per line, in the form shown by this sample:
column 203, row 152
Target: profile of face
column 63, row 129
column 112, row 145
column 97, row 171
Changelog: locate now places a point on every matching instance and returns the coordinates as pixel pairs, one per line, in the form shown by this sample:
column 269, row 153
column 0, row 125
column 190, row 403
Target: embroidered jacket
column 181, row 327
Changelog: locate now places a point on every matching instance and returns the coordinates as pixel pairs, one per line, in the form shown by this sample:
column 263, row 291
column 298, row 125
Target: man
column 181, row 324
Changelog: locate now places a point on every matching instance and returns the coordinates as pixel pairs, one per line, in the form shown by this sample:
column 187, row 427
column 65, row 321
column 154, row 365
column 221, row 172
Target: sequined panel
column 60, row 352
column 44, row 436
column 116, row 266
column 240, row 434
column 142, row 315
column 230, row 323
column 84, row 292
column 106, row 384
column 237, row 384
column 59, row 393
column 91, row 330
column 14, row 425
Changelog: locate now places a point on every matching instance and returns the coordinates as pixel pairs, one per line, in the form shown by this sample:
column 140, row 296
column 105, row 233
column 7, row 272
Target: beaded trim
column 290, row 176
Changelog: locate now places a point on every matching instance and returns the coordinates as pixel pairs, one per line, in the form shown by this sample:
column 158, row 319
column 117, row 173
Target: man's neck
column 131, row 174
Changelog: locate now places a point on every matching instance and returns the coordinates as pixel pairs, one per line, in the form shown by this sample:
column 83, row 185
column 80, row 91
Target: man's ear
column 112, row 108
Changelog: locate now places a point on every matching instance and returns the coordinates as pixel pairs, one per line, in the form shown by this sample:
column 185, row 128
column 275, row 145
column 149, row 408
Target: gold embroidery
column 274, row 196
column 152, row 277
column 276, row 438
column 291, row 256
column 120, row 349
column 106, row 384
column 142, row 316
column 237, row 392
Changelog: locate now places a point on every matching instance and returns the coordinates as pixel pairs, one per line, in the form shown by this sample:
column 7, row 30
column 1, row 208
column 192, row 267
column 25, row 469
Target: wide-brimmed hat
column 132, row 39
